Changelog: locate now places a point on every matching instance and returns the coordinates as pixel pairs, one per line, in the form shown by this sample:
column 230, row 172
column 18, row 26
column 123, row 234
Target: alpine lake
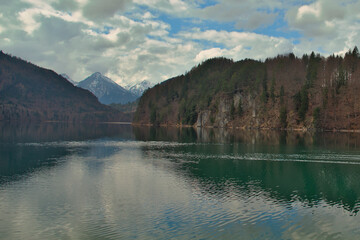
column 116, row 181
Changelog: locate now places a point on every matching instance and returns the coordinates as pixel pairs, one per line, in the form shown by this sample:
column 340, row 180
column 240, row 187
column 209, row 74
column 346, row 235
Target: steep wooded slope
column 31, row 93
column 282, row 92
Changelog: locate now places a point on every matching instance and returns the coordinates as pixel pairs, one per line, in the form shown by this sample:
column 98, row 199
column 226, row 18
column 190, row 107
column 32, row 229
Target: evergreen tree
column 283, row 117
column 355, row 52
column 304, row 104
column 272, row 90
column 312, row 68
column 316, row 117
column 282, row 94
column 264, row 95
column 240, row 109
column 153, row 115
column 232, row 110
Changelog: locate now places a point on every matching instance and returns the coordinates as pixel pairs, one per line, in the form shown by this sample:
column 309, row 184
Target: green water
column 64, row 181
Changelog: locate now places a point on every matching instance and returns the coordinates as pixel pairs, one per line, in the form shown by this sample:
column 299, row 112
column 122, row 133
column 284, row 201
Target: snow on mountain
column 64, row 75
column 139, row 88
column 106, row 90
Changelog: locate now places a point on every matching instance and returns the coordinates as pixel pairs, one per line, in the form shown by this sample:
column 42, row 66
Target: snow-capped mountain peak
column 99, row 77
column 106, row 90
column 139, row 88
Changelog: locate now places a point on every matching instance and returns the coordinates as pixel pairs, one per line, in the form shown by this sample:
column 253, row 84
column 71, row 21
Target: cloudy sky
column 135, row 40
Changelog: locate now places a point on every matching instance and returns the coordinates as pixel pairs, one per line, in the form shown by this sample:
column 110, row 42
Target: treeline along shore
column 285, row 92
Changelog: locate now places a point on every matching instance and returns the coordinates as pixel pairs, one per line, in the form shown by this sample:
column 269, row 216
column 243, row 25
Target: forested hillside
column 31, row 93
column 281, row 92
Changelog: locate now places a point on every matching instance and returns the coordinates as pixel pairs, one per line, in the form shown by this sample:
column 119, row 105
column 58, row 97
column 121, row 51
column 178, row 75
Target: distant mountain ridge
column 106, row 90
column 32, row 93
column 139, row 88
column 64, row 75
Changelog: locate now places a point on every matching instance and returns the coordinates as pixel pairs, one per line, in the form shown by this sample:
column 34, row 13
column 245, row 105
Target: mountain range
column 139, row 88
column 286, row 92
column 32, row 93
column 108, row 91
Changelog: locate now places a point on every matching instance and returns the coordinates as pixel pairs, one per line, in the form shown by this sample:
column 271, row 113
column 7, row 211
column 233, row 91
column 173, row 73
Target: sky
column 135, row 40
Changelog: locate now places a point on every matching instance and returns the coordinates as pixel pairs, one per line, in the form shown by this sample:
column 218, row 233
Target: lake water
column 63, row 181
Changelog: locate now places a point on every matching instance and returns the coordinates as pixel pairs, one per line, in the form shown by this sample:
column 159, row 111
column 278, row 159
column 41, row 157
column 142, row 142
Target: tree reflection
column 288, row 166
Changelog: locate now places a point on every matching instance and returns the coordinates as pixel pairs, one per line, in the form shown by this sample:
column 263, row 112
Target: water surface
column 64, row 181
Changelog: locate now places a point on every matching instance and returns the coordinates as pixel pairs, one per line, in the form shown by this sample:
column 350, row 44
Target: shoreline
column 250, row 128
column 197, row 127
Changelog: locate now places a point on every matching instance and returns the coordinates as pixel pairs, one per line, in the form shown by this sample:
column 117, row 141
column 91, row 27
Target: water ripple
column 169, row 190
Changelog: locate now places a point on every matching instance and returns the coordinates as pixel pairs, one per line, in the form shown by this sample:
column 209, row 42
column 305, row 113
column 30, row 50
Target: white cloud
column 244, row 13
column 178, row 4
column 27, row 18
column 152, row 60
column 330, row 26
column 305, row 10
column 238, row 45
column 39, row 8
column 130, row 40
column 174, row 7
column 128, row 50
column 147, row 15
column 209, row 53
column 102, row 10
